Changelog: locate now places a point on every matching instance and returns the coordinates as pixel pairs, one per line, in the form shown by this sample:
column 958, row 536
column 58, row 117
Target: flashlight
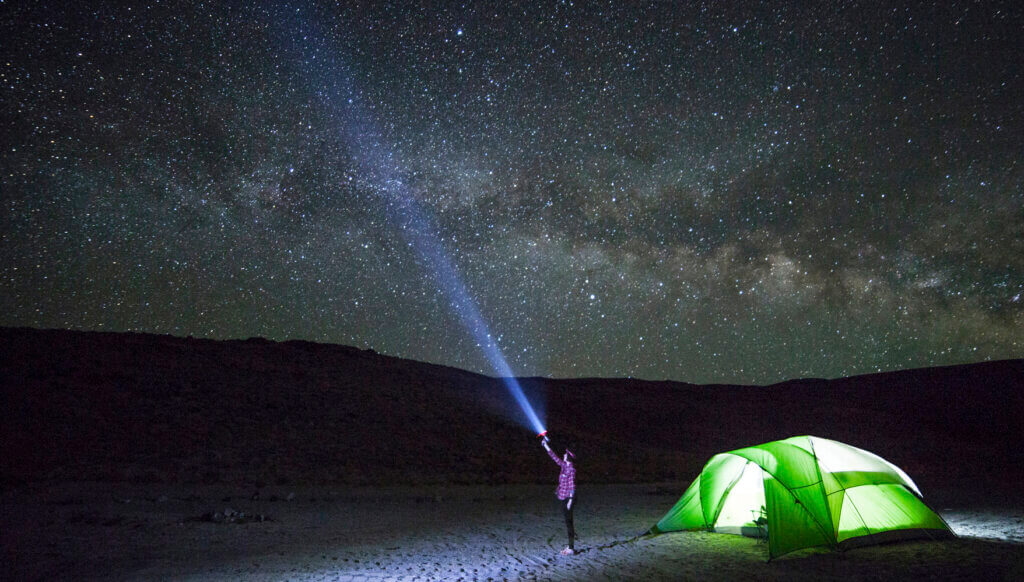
column 543, row 435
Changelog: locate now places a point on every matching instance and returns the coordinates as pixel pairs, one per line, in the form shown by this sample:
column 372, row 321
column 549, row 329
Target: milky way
column 705, row 192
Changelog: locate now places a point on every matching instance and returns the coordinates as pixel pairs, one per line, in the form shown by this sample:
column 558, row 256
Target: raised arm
column 551, row 453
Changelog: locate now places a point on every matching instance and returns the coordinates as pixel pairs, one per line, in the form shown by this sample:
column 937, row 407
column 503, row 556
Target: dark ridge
column 152, row 408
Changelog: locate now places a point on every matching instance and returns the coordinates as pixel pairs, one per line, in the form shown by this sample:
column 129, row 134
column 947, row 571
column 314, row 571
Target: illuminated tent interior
column 804, row 492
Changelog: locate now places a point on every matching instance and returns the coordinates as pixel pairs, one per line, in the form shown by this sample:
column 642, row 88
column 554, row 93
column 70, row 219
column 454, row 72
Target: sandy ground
column 137, row 532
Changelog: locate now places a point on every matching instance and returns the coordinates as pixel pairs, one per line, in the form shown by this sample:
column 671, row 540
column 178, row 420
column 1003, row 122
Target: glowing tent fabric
column 807, row 491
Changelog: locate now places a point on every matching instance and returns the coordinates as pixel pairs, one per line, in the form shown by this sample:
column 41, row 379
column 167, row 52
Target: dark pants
column 567, row 506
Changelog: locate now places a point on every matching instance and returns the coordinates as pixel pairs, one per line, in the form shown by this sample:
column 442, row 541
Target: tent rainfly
column 804, row 492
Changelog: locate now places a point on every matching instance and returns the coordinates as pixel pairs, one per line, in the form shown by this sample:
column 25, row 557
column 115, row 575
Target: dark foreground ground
column 145, row 457
column 498, row 532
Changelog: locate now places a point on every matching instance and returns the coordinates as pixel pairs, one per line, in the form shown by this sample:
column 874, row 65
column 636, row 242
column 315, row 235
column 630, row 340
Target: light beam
column 415, row 226
column 377, row 163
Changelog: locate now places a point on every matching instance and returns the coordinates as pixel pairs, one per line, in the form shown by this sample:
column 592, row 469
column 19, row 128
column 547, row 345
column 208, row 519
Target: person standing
column 566, row 491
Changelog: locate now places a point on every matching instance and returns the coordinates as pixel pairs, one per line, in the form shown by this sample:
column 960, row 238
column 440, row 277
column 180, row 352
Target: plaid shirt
column 566, row 479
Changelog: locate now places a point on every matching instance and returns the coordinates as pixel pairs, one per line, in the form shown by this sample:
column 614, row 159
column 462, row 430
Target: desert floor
column 157, row 532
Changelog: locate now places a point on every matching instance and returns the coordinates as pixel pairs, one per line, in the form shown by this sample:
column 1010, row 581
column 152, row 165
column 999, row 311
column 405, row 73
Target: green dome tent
column 804, row 492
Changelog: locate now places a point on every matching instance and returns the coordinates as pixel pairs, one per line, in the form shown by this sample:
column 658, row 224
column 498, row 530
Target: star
column 709, row 184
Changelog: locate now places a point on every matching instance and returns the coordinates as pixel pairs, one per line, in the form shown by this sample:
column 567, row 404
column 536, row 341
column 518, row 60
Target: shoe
column 568, row 552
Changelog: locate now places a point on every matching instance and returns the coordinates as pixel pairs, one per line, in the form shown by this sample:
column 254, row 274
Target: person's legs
column 567, row 507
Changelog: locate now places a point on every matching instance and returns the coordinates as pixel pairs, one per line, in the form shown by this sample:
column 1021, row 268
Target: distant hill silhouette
column 138, row 407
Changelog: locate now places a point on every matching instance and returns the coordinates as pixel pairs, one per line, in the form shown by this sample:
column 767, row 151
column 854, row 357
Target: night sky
column 708, row 192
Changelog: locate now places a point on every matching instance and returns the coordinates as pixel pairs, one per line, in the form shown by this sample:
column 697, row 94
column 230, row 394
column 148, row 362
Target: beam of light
column 376, row 160
column 415, row 226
